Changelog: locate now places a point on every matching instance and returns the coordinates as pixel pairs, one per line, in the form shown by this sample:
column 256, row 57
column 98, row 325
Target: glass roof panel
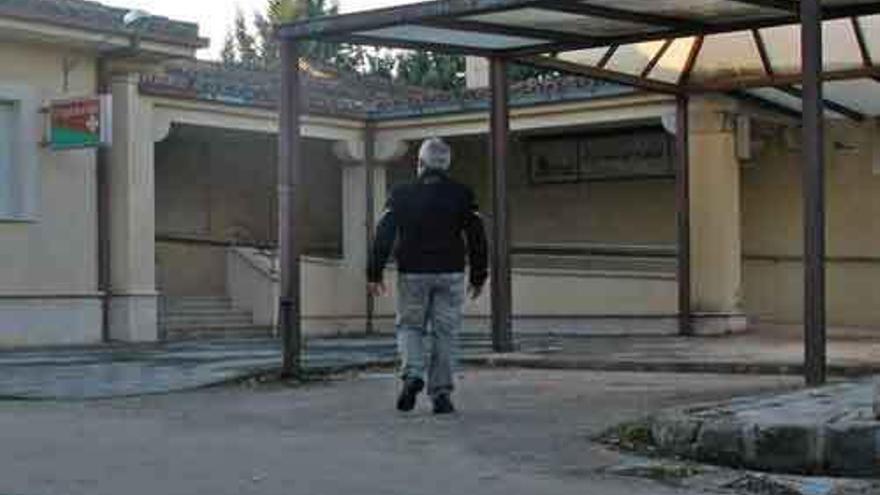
column 442, row 36
column 862, row 95
column 352, row 7
column 564, row 22
column 704, row 10
column 728, row 55
column 670, row 66
column 589, row 57
column 632, row 59
column 871, row 30
column 836, row 3
column 840, row 45
column 783, row 48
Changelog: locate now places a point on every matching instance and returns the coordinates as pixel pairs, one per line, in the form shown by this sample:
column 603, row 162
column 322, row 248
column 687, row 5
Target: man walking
column 434, row 224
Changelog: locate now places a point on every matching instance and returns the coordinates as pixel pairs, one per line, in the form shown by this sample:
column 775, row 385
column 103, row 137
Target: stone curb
column 747, row 439
column 241, row 376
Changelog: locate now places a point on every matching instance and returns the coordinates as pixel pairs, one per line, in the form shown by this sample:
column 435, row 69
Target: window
column 7, row 140
column 19, row 153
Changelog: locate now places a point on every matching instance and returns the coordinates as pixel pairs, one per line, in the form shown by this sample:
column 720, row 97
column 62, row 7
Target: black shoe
column 407, row 399
column 443, row 404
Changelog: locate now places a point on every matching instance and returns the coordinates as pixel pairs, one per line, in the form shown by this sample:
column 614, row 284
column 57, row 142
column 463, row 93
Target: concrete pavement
column 120, row 370
column 89, row 373
column 765, row 349
column 519, row 432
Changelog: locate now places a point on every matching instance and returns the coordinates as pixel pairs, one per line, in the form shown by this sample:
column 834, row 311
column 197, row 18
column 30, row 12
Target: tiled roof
column 527, row 93
column 98, row 17
column 330, row 92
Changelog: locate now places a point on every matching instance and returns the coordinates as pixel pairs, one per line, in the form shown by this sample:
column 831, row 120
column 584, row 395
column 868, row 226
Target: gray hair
column 435, row 155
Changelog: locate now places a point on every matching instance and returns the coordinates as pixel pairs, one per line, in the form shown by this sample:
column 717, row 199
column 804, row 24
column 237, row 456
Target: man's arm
column 386, row 232
column 475, row 234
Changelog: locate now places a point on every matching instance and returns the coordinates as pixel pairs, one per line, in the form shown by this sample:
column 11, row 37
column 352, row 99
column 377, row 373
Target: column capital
column 384, row 150
column 125, row 77
column 712, row 115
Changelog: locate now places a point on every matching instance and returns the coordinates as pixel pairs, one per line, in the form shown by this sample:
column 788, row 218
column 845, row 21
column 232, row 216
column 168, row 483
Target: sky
column 216, row 16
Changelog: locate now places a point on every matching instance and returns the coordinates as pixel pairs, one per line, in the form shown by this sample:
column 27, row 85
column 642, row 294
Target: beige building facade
column 192, row 212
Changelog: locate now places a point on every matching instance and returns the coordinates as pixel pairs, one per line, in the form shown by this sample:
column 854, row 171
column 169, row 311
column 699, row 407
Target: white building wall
column 48, row 263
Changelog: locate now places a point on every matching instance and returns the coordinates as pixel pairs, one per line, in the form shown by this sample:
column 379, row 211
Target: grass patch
column 634, row 436
column 671, row 472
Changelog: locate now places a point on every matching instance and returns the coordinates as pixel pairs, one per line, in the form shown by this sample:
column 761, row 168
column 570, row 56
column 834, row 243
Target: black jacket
column 435, row 223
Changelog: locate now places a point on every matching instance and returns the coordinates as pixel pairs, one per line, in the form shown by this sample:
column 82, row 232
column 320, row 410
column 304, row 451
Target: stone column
column 354, row 218
column 716, row 234
column 476, row 72
column 133, row 302
column 354, row 198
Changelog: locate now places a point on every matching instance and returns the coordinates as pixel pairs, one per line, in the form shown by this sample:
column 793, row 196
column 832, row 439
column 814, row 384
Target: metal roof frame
column 451, row 14
column 509, row 31
column 457, row 15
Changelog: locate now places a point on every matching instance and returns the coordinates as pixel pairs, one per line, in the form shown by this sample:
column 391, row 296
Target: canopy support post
column 814, row 194
column 370, row 218
column 502, row 335
column 289, row 212
column 683, row 212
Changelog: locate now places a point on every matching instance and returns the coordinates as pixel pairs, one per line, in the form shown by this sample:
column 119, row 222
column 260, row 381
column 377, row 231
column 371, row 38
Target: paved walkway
column 768, row 349
column 121, row 371
column 117, row 371
column 518, row 432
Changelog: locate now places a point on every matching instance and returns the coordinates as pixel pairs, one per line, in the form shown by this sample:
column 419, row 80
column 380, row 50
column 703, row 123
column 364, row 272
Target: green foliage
column 279, row 11
column 229, row 56
column 424, row 69
column 518, row 72
column 245, row 43
column 262, row 50
column 431, row 70
column 631, row 436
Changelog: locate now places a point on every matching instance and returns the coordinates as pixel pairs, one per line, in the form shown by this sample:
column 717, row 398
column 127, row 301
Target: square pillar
column 354, row 216
column 501, row 280
column 815, row 336
column 715, row 220
column 290, row 208
column 133, row 296
column 363, row 200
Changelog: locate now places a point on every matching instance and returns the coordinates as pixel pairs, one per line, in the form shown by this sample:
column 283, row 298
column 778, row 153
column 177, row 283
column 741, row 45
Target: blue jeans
column 429, row 305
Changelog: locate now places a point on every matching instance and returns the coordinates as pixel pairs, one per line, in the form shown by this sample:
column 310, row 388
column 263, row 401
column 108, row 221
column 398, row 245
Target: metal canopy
column 511, row 28
column 784, row 51
column 670, row 46
column 761, row 62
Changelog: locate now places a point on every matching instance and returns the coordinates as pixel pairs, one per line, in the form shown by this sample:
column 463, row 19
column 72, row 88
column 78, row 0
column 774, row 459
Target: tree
column 431, row 70
column 417, row 68
column 261, row 50
column 229, row 56
column 245, row 43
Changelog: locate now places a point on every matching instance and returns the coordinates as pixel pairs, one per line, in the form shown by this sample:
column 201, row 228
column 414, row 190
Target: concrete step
column 222, row 332
column 207, row 321
column 196, row 303
column 207, row 317
column 202, row 312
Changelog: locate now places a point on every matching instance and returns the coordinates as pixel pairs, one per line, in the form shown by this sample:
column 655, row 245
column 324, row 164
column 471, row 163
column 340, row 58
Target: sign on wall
column 631, row 155
column 554, row 161
column 80, row 123
column 614, row 156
